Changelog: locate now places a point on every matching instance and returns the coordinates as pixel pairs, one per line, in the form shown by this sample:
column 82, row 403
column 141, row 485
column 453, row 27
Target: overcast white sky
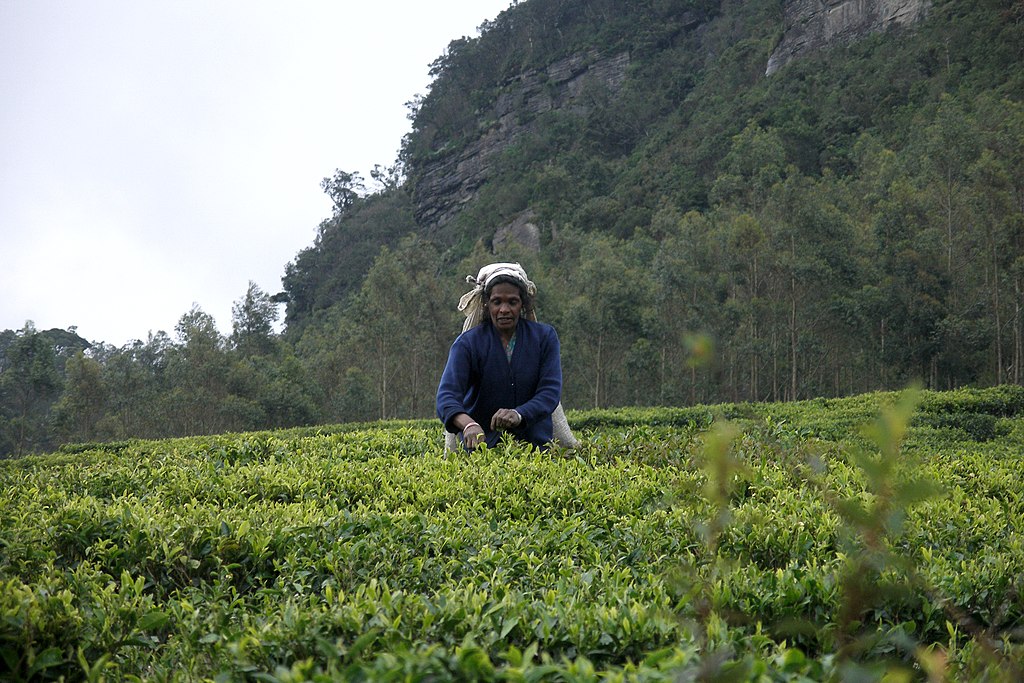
column 156, row 155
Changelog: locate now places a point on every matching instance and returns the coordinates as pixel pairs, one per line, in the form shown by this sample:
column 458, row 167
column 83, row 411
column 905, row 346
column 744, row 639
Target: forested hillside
column 699, row 231
column 852, row 221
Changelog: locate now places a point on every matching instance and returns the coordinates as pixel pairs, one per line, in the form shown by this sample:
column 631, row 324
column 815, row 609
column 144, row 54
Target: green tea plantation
column 874, row 538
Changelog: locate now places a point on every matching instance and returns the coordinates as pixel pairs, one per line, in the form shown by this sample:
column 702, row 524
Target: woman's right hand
column 473, row 435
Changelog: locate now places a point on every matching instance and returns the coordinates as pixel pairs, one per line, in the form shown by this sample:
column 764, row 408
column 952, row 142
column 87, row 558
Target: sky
column 161, row 155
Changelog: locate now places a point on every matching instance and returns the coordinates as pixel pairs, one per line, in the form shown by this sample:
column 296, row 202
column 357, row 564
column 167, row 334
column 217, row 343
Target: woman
column 504, row 372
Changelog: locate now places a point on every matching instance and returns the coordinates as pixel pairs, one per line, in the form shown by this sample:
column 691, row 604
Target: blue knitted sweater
column 479, row 379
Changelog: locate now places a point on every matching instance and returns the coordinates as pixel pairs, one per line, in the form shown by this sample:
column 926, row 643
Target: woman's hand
column 472, row 435
column 506, row 418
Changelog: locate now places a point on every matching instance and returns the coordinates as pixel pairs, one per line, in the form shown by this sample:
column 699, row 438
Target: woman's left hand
column 506, row 418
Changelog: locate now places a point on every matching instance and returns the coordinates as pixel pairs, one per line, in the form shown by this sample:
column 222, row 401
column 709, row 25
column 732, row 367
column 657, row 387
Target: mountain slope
column 848, row 221
column 595, row 113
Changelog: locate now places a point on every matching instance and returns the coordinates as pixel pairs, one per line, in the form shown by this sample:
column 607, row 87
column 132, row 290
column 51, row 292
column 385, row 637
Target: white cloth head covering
column 472, row 302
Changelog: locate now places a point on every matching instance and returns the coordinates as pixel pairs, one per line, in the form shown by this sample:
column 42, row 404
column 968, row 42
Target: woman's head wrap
column 472, row 302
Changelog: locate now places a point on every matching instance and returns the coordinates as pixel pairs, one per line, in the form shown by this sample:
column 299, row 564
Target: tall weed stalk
column 872, row 574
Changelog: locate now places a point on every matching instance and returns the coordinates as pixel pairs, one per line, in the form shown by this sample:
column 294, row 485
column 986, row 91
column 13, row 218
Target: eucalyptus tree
column 814, row 248
column 607, row 289
column 951, row 145
column 82, row 406
column 995, row 198
column 137, row 378
column 329, row 352
column 30, row 382
column 683, row 278
column 252, row 322
column 1001, row 226
column 404, row 327
column 198, row 373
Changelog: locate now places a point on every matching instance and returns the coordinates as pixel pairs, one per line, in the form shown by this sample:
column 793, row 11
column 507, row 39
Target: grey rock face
column 522, row 231
column 449, row 182
column 812, row 25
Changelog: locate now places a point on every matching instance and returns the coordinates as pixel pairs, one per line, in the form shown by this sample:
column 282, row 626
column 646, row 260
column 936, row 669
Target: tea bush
column 822, row 540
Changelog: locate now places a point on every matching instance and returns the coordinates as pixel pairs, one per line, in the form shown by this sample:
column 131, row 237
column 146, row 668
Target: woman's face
column 505, row 306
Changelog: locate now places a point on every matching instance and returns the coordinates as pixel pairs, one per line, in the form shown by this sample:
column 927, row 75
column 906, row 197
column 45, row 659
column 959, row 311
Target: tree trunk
column 998, row 313
column 661, row 376
column 881, row 354
column 1018, row 352
column 755, row 390
column 775, row 363
column 381, row 351
column 792, row 343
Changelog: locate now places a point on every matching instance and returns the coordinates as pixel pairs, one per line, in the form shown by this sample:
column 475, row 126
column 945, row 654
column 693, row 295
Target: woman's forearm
column 461, row 421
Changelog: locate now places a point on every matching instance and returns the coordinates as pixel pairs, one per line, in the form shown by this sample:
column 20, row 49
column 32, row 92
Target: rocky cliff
column 446, row 183
column 812, row 25
column 452, row 180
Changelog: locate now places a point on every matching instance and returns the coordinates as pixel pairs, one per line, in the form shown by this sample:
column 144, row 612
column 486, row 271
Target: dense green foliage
column 853, row 222
column 55, row 387
column 737, row 542
column 32, row 368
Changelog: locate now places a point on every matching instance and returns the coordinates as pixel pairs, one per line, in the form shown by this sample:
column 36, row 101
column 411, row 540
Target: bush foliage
column 823, row 540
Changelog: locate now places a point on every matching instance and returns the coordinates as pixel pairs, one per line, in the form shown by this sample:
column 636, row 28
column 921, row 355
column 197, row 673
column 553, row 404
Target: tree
column 745, row 240
column 252, row 321
column 81, row 407
column 404, row 323
column 287, row 395
column 951, row 146
column 756, row 162
column 816, row 262
column 270, row 392
column 29, row 384
column 344, row 189
column 1003, row 120
column 328, row 350
column 683, row 273
column 910, row 258
column 999, row 220
column 197, row 369
column 137, row 381
column 388, row 178
column 604, row 316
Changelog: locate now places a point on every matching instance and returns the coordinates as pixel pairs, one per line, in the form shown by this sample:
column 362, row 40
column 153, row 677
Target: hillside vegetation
column 869, row 538
column 705, row 233
column 853, row 222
